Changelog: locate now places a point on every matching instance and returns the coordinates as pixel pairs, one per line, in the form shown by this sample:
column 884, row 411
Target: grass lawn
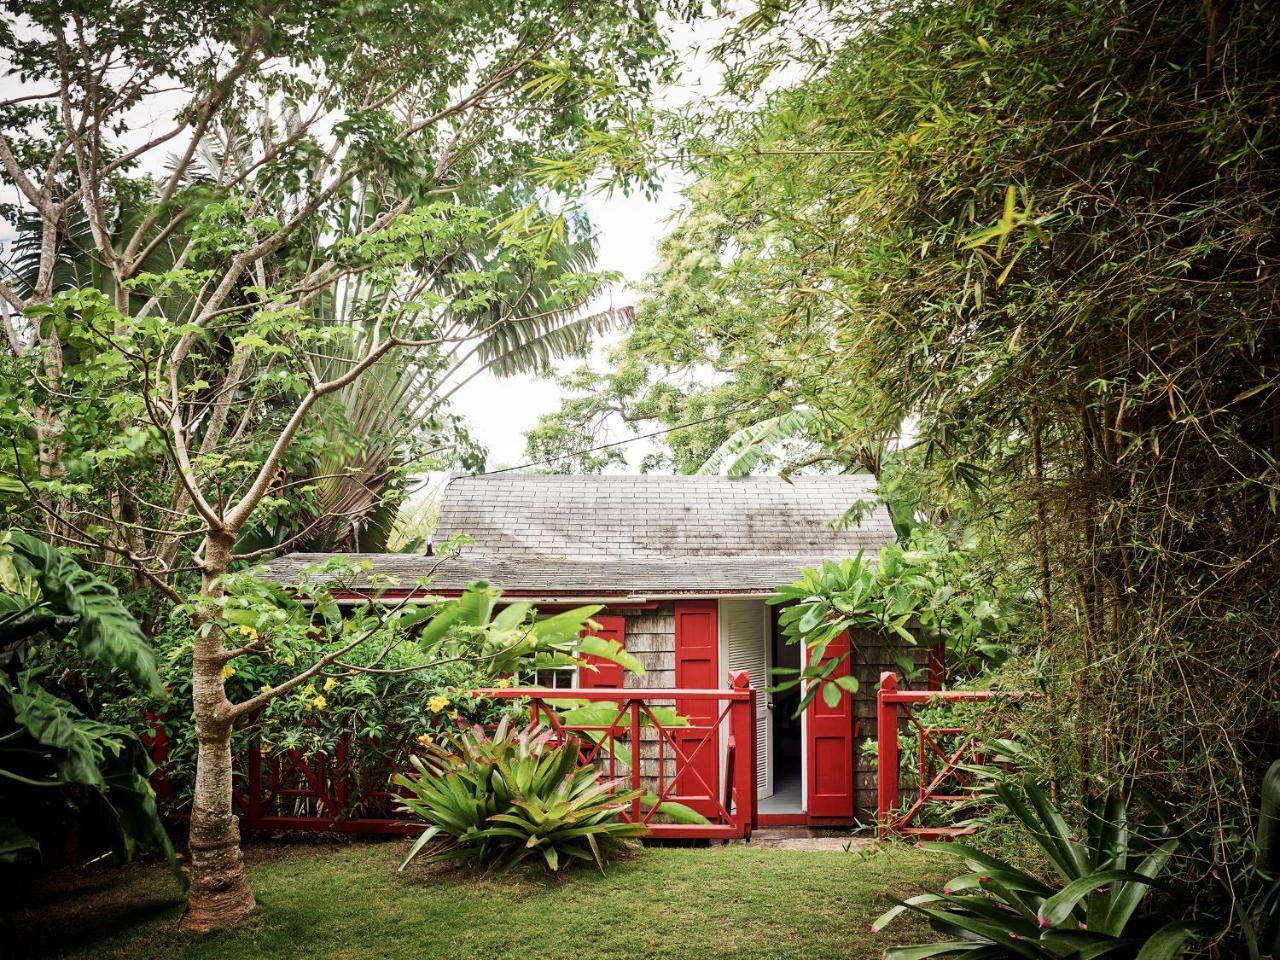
column 347, row 901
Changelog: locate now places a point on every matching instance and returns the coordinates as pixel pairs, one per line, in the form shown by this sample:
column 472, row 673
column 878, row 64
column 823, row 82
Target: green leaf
column 1059, row 906
column 924, row 951
column 1169, row 942
column 105, row 630
column 831, row 695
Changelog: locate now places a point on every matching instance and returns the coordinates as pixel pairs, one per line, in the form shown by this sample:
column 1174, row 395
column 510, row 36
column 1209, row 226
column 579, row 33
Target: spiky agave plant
column 1089, row 910
column 500, row 799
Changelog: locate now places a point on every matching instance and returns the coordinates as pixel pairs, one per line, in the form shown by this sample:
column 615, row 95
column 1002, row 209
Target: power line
column 617, row 443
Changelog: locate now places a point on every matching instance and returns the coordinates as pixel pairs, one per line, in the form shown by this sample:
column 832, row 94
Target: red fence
column 635, row 732
column 317, row 792
column 676, row 761
column 941, row 774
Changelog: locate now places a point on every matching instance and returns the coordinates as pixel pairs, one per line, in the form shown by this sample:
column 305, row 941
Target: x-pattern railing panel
column 893, row 707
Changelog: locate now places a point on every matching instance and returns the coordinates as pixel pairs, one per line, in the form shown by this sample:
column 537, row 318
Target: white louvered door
column 744, row 635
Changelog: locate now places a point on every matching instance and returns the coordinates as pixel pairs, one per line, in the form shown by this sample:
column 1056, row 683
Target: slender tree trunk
column 1046, row 579
column 220, row 893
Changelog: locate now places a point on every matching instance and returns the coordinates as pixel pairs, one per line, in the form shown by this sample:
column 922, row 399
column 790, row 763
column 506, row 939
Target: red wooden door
column 830, row 744
column 606, row 672
column 697, row 775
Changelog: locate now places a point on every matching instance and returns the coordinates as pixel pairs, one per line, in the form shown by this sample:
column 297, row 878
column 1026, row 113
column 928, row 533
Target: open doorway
column 787, row 746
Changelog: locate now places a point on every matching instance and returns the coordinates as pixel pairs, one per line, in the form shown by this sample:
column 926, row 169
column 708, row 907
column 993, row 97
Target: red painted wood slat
column 830, row 744
column 697, row 657
column 606, row 673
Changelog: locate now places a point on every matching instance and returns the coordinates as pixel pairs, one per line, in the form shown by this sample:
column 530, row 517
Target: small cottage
column 682, row 566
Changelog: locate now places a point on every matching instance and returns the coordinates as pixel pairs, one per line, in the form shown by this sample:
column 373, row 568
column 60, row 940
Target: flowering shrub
column 381, row 716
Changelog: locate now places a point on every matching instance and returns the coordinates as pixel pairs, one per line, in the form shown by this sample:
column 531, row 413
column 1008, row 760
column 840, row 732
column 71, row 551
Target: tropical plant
column 1047, row 255
column 499, row 799
column 924, row 591
column 408, row 669
column 163, row 413
column 395, row 419
column 372, row 711
column 51, row 610
column 1090, row 909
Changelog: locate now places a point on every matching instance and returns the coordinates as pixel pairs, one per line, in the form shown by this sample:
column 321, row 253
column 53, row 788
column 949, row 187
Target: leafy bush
column 56, row 759
column 497, row 800
column 923, row 592
column 411, row 677
column 378, row 716
column 1087, row 911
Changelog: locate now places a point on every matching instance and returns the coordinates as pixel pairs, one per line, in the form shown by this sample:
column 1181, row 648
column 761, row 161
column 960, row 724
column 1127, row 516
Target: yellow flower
column 504, row 682
column 454, row 715
column 228, row 672
column 319, row 702
column 425, row 740
column 437, row 703
column 249, row 632
column 266, row 688
column 330, row 683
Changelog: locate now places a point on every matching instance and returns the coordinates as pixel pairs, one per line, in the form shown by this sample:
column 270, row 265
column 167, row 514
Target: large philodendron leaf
column 76, row 749
column 104, row 630
column 77, row 742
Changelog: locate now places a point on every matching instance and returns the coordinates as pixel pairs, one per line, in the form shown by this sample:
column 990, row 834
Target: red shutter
column 606, row 673
column 830, row 744
column 697, row 668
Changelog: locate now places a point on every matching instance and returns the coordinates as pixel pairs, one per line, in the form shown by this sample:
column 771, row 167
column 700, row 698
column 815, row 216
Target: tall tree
column 162, row 400
column 1039, row 234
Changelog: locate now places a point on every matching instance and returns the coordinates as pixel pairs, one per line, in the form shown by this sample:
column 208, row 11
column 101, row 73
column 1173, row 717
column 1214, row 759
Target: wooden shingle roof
column 643, row 536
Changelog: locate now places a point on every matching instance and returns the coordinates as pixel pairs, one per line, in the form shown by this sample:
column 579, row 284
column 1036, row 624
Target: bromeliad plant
column 1257, row 911
column 1087, row 911
column 498, row 800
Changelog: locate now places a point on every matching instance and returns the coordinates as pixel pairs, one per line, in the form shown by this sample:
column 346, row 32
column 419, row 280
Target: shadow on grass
column 69, row 909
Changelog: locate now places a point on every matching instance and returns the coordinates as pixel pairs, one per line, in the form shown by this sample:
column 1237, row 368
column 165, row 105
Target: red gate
column 636, row 732
column 949, row 782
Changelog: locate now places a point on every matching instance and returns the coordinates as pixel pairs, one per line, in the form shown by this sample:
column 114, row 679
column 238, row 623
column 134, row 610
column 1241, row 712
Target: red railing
column 318, row 792
column 322, row 792
column 949, row 783
column 681, row 755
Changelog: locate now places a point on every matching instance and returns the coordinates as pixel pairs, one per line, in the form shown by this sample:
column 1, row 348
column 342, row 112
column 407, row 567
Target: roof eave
column 580, row 597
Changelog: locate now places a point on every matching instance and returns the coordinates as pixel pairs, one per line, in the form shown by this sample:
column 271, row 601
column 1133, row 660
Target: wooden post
column 886, row 752
column 742, row 731
column 636, row 814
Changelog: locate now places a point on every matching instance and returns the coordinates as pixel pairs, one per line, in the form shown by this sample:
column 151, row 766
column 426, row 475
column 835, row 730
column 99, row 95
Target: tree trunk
column 220, row 893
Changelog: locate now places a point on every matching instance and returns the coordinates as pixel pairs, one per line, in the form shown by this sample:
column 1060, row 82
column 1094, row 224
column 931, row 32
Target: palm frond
column 747, row 448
